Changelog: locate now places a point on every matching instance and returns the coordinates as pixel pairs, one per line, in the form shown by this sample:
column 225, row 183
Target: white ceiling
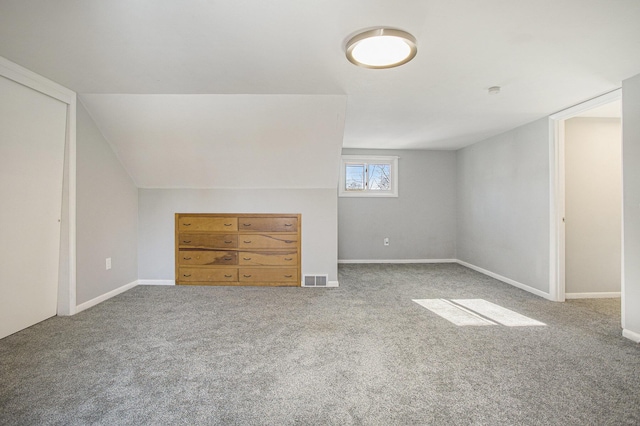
column 546, row 55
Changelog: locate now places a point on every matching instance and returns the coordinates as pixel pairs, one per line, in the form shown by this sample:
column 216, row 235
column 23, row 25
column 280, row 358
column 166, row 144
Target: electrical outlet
column 386, row 241
column 108, row 263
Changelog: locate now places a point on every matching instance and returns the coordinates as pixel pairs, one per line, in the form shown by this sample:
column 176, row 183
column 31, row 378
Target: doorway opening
column 586, row 204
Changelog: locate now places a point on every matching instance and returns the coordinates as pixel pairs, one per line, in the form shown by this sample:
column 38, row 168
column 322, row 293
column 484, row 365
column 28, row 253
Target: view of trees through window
column 373, row 177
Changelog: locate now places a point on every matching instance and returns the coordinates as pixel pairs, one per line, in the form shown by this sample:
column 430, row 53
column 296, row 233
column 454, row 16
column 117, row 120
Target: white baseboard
column 156, row 282
column 93, row 302
column 468, row 265
column 507, row 280
column 172, row 282
column 631, row 335
column 397, row 261
column 596, row 295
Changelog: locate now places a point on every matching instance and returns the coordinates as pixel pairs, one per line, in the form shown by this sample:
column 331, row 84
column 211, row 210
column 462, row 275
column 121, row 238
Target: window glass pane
column 379, row 177
column 368, row 176
column 354, row 177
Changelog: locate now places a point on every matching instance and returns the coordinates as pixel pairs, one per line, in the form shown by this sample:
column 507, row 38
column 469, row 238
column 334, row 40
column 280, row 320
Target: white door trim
column 557, row 191
column 12, row 71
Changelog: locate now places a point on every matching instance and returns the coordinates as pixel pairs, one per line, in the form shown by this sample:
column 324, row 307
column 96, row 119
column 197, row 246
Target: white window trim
column 375, row 159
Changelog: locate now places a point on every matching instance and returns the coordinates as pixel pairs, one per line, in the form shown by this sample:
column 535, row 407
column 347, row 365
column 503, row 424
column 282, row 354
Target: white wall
column 107, row 215
column 157, row 208
column 503, row 205
column 420, row 223
column 631, row 206
column 593, row 205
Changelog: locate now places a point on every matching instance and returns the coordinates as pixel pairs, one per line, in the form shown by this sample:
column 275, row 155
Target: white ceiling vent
column 315, row 280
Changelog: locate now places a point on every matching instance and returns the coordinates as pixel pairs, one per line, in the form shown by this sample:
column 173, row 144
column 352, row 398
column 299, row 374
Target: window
column 368, row 176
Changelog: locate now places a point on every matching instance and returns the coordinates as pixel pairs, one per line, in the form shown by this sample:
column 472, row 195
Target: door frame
column 66, row 282
column 557, row 191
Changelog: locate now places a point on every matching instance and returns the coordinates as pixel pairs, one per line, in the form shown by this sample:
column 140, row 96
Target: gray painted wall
column 631, row 200
column 420, row 223
column 593, row 205
column 503, row 204
column 157, row 208
column 107, row 215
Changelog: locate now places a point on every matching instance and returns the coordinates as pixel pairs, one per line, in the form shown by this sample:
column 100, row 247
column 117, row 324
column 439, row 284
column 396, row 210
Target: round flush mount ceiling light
column 381, row 48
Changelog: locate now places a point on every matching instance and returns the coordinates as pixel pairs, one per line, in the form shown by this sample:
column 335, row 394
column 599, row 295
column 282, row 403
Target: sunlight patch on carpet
column 455, row 314
column 476, row 312
column 497, row 313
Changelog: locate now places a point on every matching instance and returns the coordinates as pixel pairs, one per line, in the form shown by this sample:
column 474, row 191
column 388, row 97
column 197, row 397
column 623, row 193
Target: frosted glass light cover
column 381, row 48
column 381, row 51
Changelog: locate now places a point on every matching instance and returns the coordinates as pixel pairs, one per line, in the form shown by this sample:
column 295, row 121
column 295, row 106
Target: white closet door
column 32, row 138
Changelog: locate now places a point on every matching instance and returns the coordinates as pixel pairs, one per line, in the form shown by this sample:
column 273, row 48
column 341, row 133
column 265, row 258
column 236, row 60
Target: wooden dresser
column 238, row 249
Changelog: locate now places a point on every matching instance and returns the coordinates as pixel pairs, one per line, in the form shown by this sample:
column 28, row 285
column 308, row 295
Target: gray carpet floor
column 361, row 354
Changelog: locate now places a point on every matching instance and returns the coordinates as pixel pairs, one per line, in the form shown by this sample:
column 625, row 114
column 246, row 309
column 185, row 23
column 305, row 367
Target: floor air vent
column 315, row 280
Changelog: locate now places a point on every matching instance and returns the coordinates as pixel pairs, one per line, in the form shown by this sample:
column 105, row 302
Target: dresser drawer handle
column 186, row 224
column 247, row 276
column 247, row 242
column 227, row 258
column 288, row 224
column 186, row 242
column 246, row 224
column 228, row 242
column 288, row 276
column 288, row 258
column 228, row 224
column 227, row 276
column 288, row 241
column 186, row 275
column 186, row 258
column 246, row 258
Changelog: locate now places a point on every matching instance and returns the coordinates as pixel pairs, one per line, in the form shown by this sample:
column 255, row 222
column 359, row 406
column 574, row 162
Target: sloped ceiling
column 224, row 141
column 546, row 55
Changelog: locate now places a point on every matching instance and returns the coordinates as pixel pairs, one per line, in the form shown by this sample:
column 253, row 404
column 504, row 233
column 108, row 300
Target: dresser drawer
column 208, row 257
column 208, row 274
column 208, row 224
column 267, row 258
column 268, row 275
column 268, row 224
column 222, row 241
column 267, row 241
